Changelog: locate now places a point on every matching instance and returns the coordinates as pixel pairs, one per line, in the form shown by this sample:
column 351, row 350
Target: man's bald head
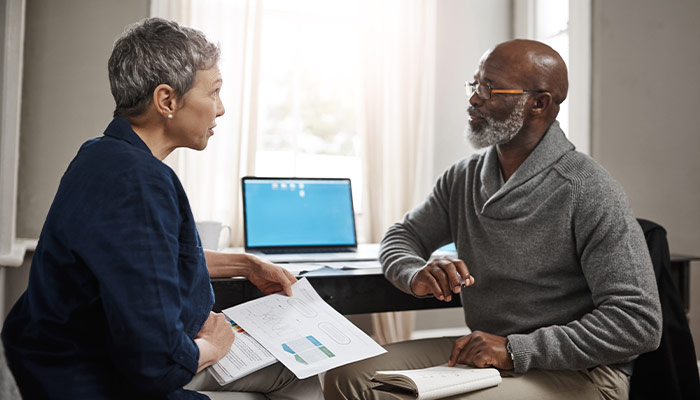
column 537, row 65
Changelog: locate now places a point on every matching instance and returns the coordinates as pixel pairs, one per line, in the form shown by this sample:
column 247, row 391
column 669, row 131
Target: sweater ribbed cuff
column 522, row 347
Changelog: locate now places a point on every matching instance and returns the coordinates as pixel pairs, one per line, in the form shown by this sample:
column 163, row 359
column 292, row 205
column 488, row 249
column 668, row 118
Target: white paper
column 245, row 356
column 299, row 268
column 303, row 332
column 354, row 265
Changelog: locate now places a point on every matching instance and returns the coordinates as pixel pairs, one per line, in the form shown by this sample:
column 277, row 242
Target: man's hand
column 441, row 277
column 214, row 340
column 270, row 278
column 481, row 350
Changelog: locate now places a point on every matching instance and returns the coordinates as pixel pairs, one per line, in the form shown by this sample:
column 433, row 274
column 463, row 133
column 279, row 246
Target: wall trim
column 579, row 98
column 11, row 249
column 580, row 74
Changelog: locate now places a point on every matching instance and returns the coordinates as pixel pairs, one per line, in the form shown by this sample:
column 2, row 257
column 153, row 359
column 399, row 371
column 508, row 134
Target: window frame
column 579, row 30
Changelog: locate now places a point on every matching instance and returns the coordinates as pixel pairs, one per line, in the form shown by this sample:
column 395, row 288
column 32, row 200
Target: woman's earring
column 170, row 116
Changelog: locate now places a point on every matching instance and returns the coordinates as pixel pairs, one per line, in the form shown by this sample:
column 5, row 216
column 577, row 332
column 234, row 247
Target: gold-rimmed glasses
column 485, row 91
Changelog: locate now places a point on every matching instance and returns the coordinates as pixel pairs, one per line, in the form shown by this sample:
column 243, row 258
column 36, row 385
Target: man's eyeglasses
column 485, row 91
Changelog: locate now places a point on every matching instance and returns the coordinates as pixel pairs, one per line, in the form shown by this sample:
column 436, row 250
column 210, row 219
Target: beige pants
column 275, row 382
column 353, row 381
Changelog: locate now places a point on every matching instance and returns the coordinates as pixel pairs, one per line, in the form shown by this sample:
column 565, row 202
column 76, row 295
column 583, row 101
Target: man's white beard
column 497, row 132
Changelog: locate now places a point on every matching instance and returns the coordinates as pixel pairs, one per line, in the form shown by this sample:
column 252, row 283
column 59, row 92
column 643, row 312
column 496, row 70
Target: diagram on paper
column 307, row 350
column 275, row 317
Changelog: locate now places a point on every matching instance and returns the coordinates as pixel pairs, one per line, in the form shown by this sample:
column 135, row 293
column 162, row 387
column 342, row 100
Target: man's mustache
column 475, row 113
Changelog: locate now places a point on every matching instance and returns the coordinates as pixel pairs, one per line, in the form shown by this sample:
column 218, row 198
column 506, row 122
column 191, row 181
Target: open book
column 436, row 382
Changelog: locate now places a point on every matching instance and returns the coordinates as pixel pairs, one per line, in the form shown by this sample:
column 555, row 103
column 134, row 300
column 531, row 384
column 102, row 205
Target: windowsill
column 20, row 247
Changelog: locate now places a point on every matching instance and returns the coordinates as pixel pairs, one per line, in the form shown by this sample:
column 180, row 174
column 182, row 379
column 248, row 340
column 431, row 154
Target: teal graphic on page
column 307, row 350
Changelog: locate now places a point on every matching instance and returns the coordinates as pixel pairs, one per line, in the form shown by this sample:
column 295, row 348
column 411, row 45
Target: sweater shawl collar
column 548, row 151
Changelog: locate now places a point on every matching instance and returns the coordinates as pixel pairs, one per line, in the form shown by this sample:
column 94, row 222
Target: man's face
column 495, row 120
column 484, row 130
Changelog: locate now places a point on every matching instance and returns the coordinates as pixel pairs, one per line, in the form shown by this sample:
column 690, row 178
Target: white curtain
column 396, row 116
column 398, row 128
column 211, row 177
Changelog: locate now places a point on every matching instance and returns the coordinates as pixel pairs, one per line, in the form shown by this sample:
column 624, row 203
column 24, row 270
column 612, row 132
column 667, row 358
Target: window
column 565, row 26
column 308, row 93
column 552, row 27
column 316, row 88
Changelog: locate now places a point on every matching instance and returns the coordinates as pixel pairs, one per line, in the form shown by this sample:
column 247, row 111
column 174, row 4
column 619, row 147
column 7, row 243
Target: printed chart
column 303, row 332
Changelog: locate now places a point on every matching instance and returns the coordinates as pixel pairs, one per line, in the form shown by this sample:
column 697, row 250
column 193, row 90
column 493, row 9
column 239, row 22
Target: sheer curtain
column 396, row 116
column 398, row 129
column 211, row 177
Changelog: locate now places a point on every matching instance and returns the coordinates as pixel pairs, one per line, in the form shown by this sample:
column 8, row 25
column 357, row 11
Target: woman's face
column 193, row 121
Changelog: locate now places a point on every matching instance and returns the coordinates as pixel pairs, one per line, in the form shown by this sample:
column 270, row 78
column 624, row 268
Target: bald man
column 558, row 284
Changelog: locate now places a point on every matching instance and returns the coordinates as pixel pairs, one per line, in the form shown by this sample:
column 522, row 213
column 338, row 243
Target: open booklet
column 303, row 332
column 245, row 356
column 436, row 382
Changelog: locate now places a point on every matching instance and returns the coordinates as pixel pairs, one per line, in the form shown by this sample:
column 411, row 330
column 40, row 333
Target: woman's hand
column 270, row 278
column 214, row 340
column 267, row 277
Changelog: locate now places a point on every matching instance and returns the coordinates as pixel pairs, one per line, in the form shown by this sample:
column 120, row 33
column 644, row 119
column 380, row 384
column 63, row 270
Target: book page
column 303, row 332
column 441, row 381
column 354, row 265
column 245, row 356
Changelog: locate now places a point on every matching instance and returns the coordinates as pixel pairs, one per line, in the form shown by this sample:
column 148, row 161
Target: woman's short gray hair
column 152, row 52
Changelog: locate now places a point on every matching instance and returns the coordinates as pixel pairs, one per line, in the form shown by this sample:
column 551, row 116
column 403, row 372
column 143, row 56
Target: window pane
column 551, row 18
column 552, row 27
column 309, row 83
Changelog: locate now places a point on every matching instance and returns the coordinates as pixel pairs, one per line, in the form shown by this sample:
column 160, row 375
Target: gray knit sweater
column 560, row 264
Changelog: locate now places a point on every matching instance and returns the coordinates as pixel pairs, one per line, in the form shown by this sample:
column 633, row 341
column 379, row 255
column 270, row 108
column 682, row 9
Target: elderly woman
column 119, row 299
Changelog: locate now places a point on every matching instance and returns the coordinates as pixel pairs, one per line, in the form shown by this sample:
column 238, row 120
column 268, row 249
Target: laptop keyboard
column 310, row 250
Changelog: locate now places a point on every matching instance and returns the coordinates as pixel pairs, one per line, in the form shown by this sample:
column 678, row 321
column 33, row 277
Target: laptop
column 301, row 220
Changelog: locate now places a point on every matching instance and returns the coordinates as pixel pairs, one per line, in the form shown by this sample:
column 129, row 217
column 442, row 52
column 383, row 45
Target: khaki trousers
column 353, row 381
column 275, row 382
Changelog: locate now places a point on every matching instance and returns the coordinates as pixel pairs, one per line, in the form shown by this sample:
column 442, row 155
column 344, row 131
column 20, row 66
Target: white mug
column 210, row 234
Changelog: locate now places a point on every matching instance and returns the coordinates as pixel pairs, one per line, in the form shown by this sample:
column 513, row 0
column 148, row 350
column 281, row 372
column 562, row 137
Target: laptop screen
column 298, row 212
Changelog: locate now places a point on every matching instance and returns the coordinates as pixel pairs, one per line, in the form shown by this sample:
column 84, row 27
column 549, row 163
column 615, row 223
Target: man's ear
column 165, row 100
column 541, row 103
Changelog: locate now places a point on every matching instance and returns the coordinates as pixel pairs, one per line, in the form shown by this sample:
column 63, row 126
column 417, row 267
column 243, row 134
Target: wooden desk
column 367, row 291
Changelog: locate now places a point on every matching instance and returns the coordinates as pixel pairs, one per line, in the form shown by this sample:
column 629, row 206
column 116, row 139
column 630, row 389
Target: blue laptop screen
column 303, row 212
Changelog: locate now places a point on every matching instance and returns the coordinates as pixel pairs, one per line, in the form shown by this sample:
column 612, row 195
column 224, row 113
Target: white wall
column 465, row 30
column 66, row 92
column 66, row 100
column 646, row 96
